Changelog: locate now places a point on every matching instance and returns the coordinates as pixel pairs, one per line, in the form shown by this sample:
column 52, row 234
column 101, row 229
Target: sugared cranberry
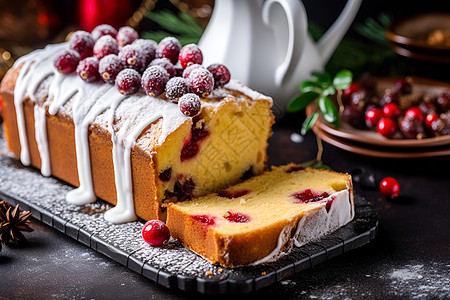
column 403, row 86
column 109, row 66
column 391, row 110
column 428, row 105
column 444, row 101
column 169, row 47
column 105, row 45
column 190, row 104
column 412, row 127
column 205, row 219
column 353, row 116
column 154, row 80
column 415, row 112
column 128, row 81
column 430, row 118
column 233, row 194
column 389, row 96
column 188, row 70
column 220, row 73
column 389, row 187
column 166, row 64
column 373, row 116
column 353, row 87
column 165, row 175
column 126, row 35
column 201, row 81
column 387, row 127
column 148, row 47
column 155, row 233
column 82, row 42
column 132, row 57
column 189, row 55
column 176, row 87
column 236, row 217
column 67, row 61
column 102, row 30
column 87, row 69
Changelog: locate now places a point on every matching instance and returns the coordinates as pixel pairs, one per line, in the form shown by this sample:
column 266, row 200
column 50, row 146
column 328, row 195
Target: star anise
column 12, row 222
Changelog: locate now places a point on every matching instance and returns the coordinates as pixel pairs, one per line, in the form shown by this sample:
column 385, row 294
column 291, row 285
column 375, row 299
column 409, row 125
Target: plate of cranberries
column 394, row 112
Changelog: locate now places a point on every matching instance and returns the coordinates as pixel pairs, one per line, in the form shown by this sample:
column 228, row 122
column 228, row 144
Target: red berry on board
column 391, row 110
column 373, row 116
column 109, row 66
column 128, row 81
column 102, row 30
column 220, row 73
column 82, row 42
column 389, row 187
column 169, row 47
column 201, row 81
column 154, row 80
column 87, row 69
column 155, row 233
column 415, row 112
column 189, row 55
column 126, row 35
column 190, row 104
column 104, row 46
column 67, row 61
column 387, row 127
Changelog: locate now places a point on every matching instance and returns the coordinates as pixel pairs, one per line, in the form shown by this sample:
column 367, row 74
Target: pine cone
column 12, row 222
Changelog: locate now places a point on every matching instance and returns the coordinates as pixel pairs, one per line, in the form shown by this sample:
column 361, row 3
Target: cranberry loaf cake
column 135, row 151
column 262, row 218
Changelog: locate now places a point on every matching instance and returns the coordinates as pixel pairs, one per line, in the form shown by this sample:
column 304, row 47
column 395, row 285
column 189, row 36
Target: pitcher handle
column 331, row 39
column 297, row 33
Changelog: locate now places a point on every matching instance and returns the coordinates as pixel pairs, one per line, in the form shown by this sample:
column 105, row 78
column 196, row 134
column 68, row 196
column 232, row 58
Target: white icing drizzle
column 127, row 117
column 311, row 226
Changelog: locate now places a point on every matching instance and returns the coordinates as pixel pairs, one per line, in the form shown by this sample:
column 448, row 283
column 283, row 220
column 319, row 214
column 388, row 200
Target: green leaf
column 329, row 91
column 301, row 101
column 329, row 111
column 308, row 85
column 343, row 79
column 323, row 78
column 309, row 122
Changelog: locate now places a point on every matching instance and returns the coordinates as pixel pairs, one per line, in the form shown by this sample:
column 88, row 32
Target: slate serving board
column 172, row 266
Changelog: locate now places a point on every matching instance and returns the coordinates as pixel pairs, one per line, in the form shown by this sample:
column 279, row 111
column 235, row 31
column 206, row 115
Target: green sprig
column 319, row 88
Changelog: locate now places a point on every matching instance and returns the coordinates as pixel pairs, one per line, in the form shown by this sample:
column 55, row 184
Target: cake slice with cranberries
column 262, row 218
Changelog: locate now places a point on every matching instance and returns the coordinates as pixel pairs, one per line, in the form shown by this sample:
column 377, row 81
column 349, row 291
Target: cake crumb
column 209, row 273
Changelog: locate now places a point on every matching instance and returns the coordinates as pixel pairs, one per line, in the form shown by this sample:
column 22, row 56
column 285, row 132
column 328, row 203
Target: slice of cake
column 262, row 218
column 122, row 143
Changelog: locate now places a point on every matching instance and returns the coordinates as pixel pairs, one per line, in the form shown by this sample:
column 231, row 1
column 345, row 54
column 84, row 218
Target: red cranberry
column 166, row 64
column 233, row 194
column 391, row 110
column 307, row 196
column 102, row 30
column 191, row 146
column 132, row 57
column 430, row 118
column 148, row 47
column 403, row 86
column 128, row 81
column 353, row 116
column 201, row 81
column 352, row 88
column 220, row 73
column 104, row 46
column 155, row 233
column 295, row 168
column 236, row 217
column 87, row 69
column 373, row 116
column 190, row 104
column 181, row 191
column 389, row 96
column 109, row 66
column 154, row 80
column 67, row 61
column 176, row 87
column 188, row 70
column 126, row 35
column 205, row 219
column 411, row 127
column 169, row 47
column 415, row 112
column 387, row 127
column 82, row 42
column 189, row 55
column 389, row 187
column 444, row 101
column 165, row 175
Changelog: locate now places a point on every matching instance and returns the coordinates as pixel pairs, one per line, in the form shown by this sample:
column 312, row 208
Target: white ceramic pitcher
column 266, row 45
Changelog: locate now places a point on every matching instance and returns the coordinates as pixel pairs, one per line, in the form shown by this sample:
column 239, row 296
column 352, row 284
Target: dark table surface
column 410, row 257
